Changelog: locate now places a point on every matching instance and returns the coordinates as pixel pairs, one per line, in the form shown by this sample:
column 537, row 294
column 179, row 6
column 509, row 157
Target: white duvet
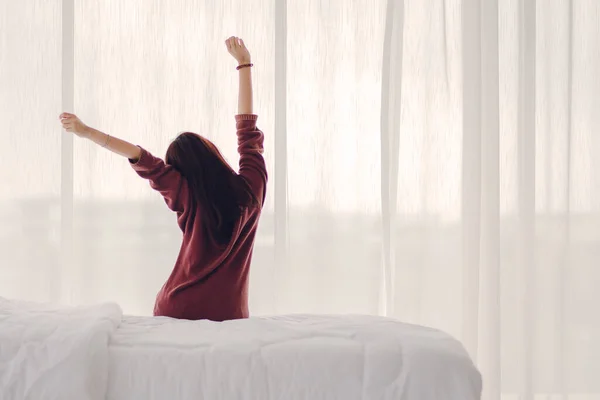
column 288, row 357
column 93, row 353
column 55, row 353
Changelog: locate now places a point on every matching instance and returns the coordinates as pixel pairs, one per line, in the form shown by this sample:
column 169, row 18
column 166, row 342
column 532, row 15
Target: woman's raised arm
column 238, row 50
column 71, row 123
column 163, row 178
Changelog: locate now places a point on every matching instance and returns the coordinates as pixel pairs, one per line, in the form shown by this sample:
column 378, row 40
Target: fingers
column 68, row 121
column 234, row 42
column 231, row 43
column 66, row 116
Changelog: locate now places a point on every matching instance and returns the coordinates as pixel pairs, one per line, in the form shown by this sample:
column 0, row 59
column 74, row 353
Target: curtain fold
column 489, row 199
column 391, row 100
column 432, row 161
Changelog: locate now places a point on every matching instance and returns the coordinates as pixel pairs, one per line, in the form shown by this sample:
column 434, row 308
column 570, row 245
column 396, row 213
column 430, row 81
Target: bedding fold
column 55, row 352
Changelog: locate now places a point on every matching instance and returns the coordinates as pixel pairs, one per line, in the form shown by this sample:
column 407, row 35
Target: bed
column 283, row 357
column 287, row 357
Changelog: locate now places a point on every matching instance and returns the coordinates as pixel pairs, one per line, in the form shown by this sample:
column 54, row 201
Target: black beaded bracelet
column 244, row 66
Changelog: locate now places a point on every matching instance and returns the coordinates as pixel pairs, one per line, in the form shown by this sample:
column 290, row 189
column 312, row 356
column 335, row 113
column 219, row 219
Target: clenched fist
column 71, row 123
column 238, row 50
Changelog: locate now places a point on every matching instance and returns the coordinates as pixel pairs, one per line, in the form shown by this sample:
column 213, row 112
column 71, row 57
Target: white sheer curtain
column 435, row 161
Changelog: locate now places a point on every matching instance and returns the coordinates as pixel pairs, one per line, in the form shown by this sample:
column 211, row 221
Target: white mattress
column 287, row 357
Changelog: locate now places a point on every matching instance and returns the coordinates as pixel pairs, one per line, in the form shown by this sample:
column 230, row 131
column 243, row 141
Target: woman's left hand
column 238, row 50
column 71, row 123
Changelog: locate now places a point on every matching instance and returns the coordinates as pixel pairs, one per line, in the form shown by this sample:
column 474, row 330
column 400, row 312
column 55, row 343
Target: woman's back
column 217, row 209
column 210, row 277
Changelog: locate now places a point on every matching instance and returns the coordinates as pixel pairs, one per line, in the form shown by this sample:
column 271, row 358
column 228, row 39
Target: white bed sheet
column 54, row 352
column 287, row 357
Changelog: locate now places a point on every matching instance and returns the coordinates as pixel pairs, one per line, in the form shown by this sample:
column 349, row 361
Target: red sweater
column 209, row 282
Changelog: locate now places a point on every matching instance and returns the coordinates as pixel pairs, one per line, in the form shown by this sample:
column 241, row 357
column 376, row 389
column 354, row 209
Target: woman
column 217, row 209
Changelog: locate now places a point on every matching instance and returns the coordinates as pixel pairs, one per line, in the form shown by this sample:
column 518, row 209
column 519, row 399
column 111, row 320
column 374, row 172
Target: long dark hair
column 218, row 192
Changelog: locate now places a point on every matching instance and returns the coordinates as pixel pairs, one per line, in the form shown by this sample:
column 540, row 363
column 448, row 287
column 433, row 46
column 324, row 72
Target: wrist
column 243, row 61
column 96, row 136
column 87, row 132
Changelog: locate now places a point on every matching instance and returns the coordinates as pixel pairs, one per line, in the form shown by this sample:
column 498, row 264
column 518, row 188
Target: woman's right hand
column 71, row 123
column 238, row 50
